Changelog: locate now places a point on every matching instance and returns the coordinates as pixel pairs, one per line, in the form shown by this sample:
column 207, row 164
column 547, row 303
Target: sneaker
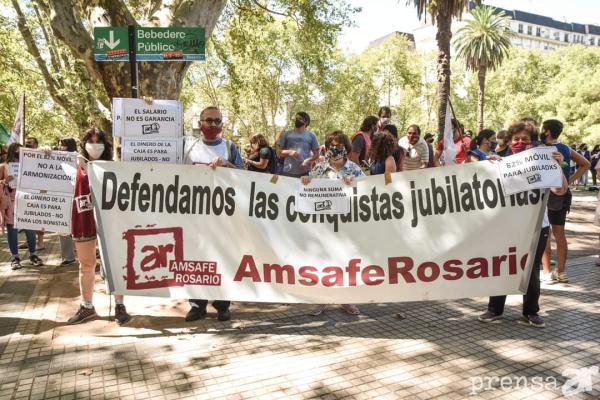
column 83, row 314
column 67, row 262
column 195, row 314
column 121, row 315
column 223, row 315
column 15, row 264
column 351, row 309
column 562, row 278
column 318, row 310
column 547, row 278
column 534, row 320
column 488, row 316
column 35, row 260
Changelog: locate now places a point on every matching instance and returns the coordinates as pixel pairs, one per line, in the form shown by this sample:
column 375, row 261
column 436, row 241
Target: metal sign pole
column 133, row 62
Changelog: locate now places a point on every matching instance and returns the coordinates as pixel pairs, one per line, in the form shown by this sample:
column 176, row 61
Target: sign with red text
column 188, row 231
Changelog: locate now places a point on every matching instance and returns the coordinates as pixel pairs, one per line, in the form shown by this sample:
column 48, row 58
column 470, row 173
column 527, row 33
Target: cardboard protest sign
column 159, row 119
column 323, row 196
column 189, row 231
column 531, row 169
column 157, row 151
column 36, row 211
column 49, row 171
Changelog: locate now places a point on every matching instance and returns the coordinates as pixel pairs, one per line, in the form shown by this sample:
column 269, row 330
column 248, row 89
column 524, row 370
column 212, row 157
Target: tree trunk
column 480, row 98
column 444, row 34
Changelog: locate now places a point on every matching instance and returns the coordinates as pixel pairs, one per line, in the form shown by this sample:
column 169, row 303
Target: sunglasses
column 212, row 121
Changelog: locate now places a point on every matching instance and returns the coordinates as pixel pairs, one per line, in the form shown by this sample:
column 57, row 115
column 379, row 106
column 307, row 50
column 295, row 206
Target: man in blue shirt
column 296, row 146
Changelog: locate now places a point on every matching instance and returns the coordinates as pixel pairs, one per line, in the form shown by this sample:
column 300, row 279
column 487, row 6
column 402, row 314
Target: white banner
column 531, row 169
column 323, row 196
column 190, row 232
column 159, row 119
column 49, row 171
column 157, row 151
column 117, row 117
column 36, row 211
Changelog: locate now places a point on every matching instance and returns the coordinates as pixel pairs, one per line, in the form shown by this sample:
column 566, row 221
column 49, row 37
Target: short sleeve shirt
column 303, row 143
column 324, row 170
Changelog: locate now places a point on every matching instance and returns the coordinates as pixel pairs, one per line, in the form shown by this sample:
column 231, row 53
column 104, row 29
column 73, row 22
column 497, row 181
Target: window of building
column 592, row 41
column 566, row 37
column 538, row 31
column 556, row 36
column 520, row 28
column 529, row 29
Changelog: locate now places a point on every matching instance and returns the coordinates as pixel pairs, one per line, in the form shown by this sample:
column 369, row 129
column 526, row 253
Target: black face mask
column 299, row 123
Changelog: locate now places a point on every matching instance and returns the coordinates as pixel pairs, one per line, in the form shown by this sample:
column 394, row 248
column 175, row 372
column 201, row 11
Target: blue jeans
column 12, row 235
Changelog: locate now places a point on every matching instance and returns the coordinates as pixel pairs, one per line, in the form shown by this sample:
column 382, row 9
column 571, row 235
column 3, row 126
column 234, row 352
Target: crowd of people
column 376, row 148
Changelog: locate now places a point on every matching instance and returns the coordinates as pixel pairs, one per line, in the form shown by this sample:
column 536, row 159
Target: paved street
column 439, row 350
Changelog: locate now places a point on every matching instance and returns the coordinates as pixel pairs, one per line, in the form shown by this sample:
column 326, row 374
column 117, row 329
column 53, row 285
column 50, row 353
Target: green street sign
column 111, row 43
column 151, row 44
column 169, row 44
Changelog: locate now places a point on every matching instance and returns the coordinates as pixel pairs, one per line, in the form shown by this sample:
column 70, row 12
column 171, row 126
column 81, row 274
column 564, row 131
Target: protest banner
column 531, row 169
column 117, row 117
column 51, row 171
column 192, row 232
column 323, row 196
column 36, row 211
column 159, row 119
column 158, row 151
column 13, row 170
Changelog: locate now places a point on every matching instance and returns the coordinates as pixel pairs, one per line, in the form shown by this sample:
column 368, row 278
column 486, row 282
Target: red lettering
column 336, row 278
column 496, row 264
column 252, row 273
column 479, row 268
column 370, row 273
column 435, row 271
column 157, row 256
column 279, row 270
column 352, row 269
column 404, row 270
column 512, row 261
column 309, row 276
column 454, row 273
column 524, row 261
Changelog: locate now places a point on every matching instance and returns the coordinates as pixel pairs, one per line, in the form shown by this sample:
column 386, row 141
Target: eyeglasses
column 525, row 140
column 212, row 121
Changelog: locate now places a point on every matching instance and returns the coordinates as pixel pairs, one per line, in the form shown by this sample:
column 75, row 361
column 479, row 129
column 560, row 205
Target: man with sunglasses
column 214, row 151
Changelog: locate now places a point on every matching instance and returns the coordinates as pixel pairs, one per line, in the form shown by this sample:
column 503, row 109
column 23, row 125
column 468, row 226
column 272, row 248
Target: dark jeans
column 532, row 296
column 219, row 305
column 13, row 241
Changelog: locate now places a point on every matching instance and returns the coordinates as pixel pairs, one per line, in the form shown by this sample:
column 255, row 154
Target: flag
column 449, row 153
column 18, row 129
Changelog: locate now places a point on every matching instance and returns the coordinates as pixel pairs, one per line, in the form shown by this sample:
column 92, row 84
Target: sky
column 381, row 17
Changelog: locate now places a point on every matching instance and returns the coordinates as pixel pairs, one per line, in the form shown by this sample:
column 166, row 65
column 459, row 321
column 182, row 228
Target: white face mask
column 94, row 150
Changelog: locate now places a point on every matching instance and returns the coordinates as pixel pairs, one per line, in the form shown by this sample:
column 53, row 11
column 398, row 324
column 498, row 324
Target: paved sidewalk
column 277, row 351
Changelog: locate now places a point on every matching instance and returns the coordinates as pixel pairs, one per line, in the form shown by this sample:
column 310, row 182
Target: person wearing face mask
column 502, row 148
column 214, row 151
column 483, row 145
column 262, row 157
column 94, row 146
column 521, row 136
column 298, row 147
column 336, row 166
column 385, row 118
column 67, row 247
column 559, row 207
column 415, row 149
column 361, row 141
column 8, row 187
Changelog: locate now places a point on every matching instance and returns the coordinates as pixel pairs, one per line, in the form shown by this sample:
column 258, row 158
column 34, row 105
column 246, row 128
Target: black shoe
column 488, row 316
column 15, row 264
column 223, row 315
column 83, row 314
column 36, row 261
column 67, row 262
column 195, row 314
column 121, row 315
column 533, row 320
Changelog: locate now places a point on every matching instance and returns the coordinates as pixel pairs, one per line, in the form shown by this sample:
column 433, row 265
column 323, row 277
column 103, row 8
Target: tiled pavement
column 276, row 351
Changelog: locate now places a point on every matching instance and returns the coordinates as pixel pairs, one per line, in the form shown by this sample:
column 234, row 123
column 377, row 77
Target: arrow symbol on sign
column 111, row 43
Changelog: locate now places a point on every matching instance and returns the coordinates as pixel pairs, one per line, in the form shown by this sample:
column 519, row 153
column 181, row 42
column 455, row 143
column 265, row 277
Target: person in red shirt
column 461, row 142
column 94, row 146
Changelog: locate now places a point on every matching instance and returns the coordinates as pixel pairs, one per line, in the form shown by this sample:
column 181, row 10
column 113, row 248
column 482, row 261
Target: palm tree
column 442, row 12
column 484, row 42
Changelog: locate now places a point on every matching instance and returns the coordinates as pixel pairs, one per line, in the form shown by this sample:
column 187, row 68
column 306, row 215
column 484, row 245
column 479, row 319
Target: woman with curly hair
column 382, row 153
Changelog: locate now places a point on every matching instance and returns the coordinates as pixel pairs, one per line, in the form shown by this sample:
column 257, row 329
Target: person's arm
column 265, row 155
column 282, row 151
column 390, row 165
column 583, row 166
column 473, row 158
